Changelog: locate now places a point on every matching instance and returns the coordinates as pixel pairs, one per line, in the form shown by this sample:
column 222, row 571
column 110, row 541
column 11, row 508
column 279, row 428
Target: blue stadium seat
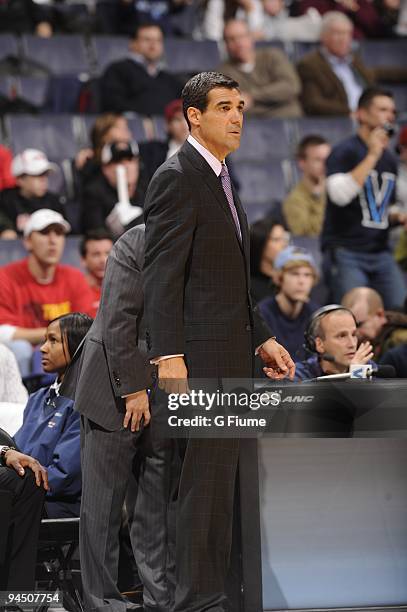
column 384, row 52
column 263, row 139
column 159, row 125
column 108, row 49
column 33, row 90
column 302, row 48
column 61, row 54
column 6, row 86
column 8, row 46
column 190, row 56
column 261, row 184
column 400, row 98
column 334, row 129
column 53, row 134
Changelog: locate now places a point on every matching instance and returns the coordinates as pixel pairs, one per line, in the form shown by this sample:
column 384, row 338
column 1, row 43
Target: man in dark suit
column 109, row 382
column 200, row 321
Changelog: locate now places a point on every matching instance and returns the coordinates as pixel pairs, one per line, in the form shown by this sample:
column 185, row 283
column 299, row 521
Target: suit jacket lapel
column 214, row 184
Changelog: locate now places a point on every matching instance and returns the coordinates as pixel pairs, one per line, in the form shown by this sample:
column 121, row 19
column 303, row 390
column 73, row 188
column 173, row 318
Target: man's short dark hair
column 144, row 25
column 370, row 93
column 196, row 90
column 96, row 234
column 312, row 140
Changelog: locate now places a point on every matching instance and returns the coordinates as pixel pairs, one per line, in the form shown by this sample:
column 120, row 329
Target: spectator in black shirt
column 31, row 169
column 139, row 82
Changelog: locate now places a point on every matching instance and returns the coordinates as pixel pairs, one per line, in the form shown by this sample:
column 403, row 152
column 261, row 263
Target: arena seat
column 6, row 84
column 33, row 90
column 260, row 183
column 384, row 52
column 61, row 54
column 333, row 129
column 108, row 49
column 190, row 56
column 8, row 46
column 263, row 139
column 56, row 135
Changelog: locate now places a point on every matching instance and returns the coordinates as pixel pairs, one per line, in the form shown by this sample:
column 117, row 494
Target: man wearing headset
column 331, row 338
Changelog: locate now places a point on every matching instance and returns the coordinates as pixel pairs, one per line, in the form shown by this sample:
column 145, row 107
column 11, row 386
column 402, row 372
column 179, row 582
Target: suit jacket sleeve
column 170, row 213
column 121, row 313
column 314, row 99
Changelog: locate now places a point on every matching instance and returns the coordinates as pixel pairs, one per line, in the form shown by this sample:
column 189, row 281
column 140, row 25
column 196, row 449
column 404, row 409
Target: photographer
column 361, row 173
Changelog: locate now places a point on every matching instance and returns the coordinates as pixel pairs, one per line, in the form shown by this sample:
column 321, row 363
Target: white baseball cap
column 32, row 162
column 43, row 218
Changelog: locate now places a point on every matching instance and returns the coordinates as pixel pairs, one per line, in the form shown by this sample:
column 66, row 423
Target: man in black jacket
column 139, row 83
column 31, row 169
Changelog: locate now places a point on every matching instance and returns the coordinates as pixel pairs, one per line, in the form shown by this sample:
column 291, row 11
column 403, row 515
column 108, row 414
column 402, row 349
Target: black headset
column 309, row 333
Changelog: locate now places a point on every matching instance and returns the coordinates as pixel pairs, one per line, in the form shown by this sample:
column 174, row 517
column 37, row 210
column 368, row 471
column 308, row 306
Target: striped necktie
column 227, row 188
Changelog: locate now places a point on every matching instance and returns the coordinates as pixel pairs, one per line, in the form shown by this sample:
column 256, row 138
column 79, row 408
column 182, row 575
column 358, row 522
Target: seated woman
column 51, row 428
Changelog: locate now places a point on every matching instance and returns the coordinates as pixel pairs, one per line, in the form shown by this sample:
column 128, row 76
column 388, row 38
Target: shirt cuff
column 157, row 360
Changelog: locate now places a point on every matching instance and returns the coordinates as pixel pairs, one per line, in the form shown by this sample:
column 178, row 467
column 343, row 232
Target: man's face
column 380, row 111
column 219, row 126
column 369, row 324
column 47, row 245
column 296, row 283
column 149, row 43
column 239, row 42
column 97, row 252
column 340, row 341
column 33, row 186
column 54, row 352
column 337, row 39
column 177, row 128
column 314, row 162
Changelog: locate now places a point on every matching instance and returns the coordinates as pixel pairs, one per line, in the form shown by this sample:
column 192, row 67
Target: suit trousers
column 204, row 524
column 113, row 471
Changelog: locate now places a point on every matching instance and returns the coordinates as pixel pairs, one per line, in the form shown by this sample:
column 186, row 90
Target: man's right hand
column 363, row 355
column 18, row 461
column 378, row 142
column 173, row 375
column 137, row 408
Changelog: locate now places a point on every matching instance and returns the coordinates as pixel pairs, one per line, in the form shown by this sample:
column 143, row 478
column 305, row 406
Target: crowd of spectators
column 349, row 194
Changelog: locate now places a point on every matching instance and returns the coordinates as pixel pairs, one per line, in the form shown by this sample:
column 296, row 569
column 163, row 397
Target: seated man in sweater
column 331, row 336
column 31, row 169
column 38, row 288
column 268, row 82
column 333, row 77
column 304, row 207
column 290, row 309
column 139, row 82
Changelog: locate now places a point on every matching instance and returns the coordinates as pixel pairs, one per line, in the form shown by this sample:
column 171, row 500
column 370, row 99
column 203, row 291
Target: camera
column 390, row 129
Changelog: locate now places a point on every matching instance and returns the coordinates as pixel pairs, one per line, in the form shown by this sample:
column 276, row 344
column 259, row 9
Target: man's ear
column 319, row 345
column 194, row 116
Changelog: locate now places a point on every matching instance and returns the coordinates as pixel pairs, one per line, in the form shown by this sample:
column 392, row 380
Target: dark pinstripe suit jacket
column 112, row 362
column 196, row 271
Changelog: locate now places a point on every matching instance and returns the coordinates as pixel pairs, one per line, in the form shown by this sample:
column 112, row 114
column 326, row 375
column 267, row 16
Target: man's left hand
column 277, row 359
